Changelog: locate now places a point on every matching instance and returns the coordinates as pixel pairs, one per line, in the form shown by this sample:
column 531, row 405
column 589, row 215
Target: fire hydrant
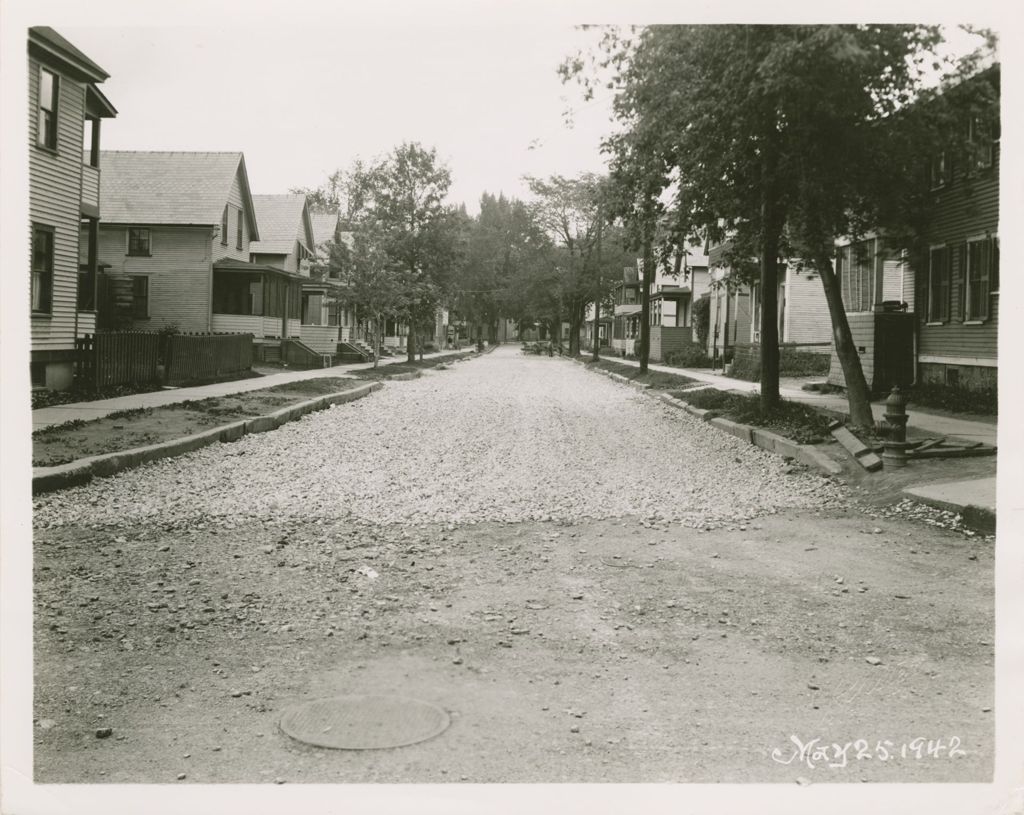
column 896, row 417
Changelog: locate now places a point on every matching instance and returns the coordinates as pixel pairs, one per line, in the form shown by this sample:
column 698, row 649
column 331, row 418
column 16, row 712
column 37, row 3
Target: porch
column 251, row 298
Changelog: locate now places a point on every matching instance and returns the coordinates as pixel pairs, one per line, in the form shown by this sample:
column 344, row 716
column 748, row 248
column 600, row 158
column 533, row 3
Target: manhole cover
column 364, row 722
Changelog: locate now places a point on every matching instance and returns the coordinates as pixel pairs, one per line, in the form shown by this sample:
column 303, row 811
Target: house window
column 978, row 278
column 138, row 243
column 238, row 231
column 938, row 285
column 981, row 136
column 224, row 227
column 140, row 297
column 49, row 93
column 938, row 171
column 42, row 269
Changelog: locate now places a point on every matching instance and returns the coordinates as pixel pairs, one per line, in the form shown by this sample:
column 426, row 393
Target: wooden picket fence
column 118, row 358
column 198, row 357
column 107, row 359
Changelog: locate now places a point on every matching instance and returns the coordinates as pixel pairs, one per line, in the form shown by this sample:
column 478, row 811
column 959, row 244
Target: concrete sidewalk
column 921, row 421
column 86, row 411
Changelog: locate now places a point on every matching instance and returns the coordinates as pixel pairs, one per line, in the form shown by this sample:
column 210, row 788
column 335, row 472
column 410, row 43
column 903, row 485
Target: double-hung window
column 224, row 227
column 49, row 94
column 980, row 277
column 138, row 242
column 42, row 269
column 238, row 231
column 938, row 284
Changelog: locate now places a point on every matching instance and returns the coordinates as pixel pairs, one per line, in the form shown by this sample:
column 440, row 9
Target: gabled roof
column 47, row 44
column 283, row 219
column 324, row 225
column 153, row 187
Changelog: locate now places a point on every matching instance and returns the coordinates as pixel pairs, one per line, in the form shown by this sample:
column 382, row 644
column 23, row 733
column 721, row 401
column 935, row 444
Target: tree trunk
column 769, row 304
column 411, row 343
column 595, row 351
column 645, row 297
column 853, row 373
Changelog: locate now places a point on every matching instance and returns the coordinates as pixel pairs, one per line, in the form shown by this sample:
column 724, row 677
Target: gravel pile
column 499, row 438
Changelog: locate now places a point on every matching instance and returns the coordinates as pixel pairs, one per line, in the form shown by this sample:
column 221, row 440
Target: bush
column 801, row 423
column 983, row 401
column 792, row 362
column 690, row 356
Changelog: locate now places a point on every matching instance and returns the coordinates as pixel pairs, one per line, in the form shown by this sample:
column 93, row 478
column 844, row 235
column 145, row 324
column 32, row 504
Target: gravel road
column 501, row 438
column 596, row 587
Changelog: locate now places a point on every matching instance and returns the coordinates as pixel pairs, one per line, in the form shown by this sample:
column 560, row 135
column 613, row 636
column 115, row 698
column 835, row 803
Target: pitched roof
column 153, row 187
column 46, row 40
column 281, row 217
column 324, row 224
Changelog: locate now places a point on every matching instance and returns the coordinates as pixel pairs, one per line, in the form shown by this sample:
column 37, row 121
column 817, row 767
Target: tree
column 780, row 137
column 420, row 233
column 366, row 274
column 502, row 246
column 572, row 212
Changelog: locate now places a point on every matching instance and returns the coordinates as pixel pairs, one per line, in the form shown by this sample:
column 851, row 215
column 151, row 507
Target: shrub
column 981, row 401
column 801, row 423
column 690, row 356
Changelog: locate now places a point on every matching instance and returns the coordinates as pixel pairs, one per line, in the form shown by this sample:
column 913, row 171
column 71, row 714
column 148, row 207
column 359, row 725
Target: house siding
column 862, row 330
column 179, row 271
column 55, row 190
column 288, row 263
column 666, row 339
column 807, row 317
column 963, row 211
column 218, row 250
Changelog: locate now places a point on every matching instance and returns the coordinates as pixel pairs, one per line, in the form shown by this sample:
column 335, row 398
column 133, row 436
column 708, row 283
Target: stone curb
column 51, row 479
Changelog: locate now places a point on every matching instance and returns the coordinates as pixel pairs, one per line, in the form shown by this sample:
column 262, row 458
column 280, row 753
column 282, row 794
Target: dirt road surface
column 594, row 586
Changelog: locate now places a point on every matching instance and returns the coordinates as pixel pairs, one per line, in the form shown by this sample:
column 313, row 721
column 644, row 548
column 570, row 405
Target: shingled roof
column 281, row 219
column 152, row 187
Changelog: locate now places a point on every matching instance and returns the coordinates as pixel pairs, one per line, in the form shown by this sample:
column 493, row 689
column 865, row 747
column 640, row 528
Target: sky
column 301, row 103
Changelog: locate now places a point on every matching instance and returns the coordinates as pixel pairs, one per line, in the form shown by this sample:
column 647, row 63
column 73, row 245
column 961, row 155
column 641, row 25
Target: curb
column 61, row 476
column 772, row 442
column 979, row 519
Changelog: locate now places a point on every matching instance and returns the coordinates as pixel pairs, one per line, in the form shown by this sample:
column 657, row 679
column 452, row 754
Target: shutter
column 947, row 282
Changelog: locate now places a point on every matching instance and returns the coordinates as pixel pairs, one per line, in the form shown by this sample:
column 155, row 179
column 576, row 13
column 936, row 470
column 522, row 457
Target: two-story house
column 65, row 111
column 736, row 307
column 673, row 292
column 176, row 247
column 929, row 312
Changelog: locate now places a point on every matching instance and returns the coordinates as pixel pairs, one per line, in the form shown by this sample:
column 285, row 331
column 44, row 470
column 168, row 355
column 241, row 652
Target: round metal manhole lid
column 364, row 722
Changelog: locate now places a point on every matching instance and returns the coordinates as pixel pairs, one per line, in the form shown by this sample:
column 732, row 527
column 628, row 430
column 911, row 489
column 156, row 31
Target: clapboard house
column 929, row 312
column 65, row 111
column 176, row 248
